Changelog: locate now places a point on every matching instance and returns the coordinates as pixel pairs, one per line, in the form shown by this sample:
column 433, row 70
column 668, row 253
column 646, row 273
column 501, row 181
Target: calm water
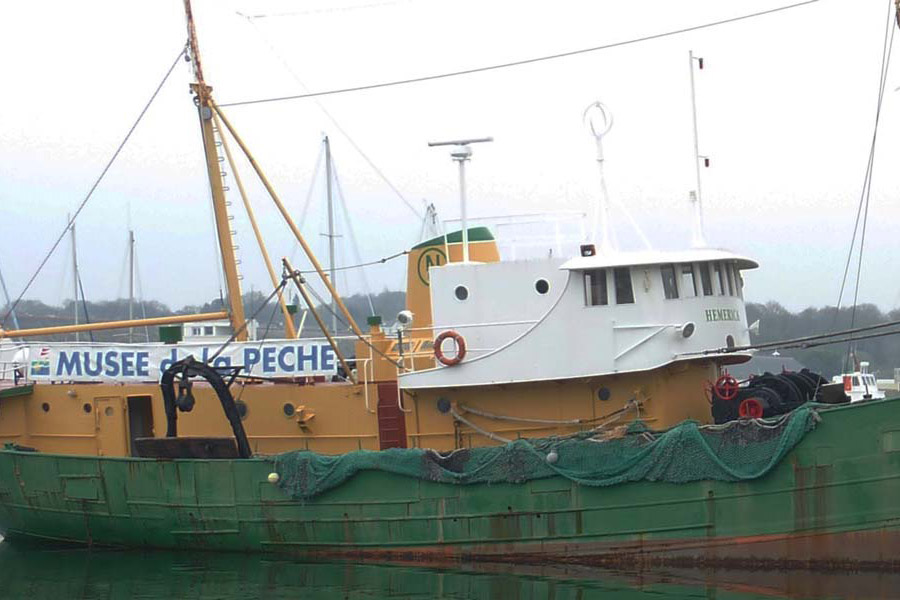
column 107, row 575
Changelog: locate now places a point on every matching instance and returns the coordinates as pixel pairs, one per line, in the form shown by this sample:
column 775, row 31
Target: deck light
column 686, row 330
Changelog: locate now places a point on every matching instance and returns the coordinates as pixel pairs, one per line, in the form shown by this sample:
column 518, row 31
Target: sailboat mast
column 74, row 276
column 12, row 309
column 130, row 283
column 330, row 234
column 204, row 103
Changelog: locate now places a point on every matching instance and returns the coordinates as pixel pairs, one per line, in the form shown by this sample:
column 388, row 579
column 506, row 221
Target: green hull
column 831, row 501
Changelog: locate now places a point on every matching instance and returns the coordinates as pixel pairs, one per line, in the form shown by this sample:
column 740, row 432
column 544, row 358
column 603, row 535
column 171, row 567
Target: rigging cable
column 354, row 245
column 243, row 326
column 15, row 319
column 527, row 61
column 808, row 338
column 327, row 306
column 334, row 121
column 361, row 265
column 87, row 317
column 140, row 294
column 867, row 184
column 309, row 195
column 94, row 186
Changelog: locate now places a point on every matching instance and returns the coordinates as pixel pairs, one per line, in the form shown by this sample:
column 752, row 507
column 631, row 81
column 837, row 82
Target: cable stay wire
column 87, row 317
column 309, row 194
column 791, row 342
column 354, row 245
column 862, row 211
column 334, row 121
column 312, row 187
column 371, row 263
column 527, row 61
column 243, row 326
column 139, row 288
column 93, row 188
column 321, row 11
column 340, row 319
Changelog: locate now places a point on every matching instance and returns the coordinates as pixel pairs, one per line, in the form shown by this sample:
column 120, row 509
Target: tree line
column 34, row 313
column 776, row 324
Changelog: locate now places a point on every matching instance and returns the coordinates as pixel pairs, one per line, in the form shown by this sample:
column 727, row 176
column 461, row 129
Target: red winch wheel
column 726, row 387
column 460, row 348
column 751, row 408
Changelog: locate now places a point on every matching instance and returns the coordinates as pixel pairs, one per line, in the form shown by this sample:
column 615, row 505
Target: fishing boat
column 550, row 409
column 482, row 344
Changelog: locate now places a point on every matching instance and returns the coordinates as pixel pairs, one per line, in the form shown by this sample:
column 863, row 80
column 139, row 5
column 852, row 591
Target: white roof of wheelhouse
column 656, row 257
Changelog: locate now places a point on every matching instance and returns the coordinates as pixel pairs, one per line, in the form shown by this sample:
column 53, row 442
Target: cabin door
column 111, row 431
column 140, row 420
column 391, row 420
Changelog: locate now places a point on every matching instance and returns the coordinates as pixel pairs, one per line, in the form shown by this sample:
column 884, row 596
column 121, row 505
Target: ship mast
column 12, row 310
column 130, row 283
column 74, row 274
column 330, row 233
column 203, row 99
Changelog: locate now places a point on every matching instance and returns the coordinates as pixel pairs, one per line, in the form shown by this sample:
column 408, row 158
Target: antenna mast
column 696, row 198
column 203, row 100
column 461, row 153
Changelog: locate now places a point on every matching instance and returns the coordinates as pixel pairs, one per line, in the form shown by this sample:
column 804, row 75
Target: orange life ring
column 460, row 348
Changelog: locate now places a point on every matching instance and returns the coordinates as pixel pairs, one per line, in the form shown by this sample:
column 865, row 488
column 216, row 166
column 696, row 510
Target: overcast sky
column 786, row 110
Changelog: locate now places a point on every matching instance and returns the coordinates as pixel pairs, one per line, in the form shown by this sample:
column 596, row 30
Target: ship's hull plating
column 832, row 501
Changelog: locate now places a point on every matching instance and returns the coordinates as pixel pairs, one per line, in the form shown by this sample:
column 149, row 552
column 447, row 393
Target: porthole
column 604, row 394
column 541, row 286
column 45, row 407
column 108, row 411
column 241, row 407
column 86, row 407
column 461, row 292
column 288, row 409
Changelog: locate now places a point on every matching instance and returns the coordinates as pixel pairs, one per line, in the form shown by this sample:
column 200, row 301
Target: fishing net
column 737, row 451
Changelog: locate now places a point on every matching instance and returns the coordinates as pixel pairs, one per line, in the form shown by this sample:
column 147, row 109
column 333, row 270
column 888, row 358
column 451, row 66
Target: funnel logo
column 430, row 257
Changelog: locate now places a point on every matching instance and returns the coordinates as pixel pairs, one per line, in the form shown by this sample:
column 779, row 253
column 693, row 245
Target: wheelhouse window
column 670, row 284
column 706, row 279
column 729, row 277
column 595, row 288
column 720, row 275
column 624, row 290
column 688, row 282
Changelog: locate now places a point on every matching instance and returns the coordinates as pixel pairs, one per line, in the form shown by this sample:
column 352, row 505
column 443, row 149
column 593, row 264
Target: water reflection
column 110, row 575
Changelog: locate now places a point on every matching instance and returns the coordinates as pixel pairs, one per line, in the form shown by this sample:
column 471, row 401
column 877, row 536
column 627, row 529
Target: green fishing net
column 736, row 451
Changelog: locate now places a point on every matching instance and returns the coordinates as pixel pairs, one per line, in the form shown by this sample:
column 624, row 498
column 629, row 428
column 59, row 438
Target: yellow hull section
column 101, row 419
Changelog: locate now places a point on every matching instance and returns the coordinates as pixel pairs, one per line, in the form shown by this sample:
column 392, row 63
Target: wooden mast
column 203, row 100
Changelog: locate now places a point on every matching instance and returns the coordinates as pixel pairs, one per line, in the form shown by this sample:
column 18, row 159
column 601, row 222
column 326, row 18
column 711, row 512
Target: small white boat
column 860, row 385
